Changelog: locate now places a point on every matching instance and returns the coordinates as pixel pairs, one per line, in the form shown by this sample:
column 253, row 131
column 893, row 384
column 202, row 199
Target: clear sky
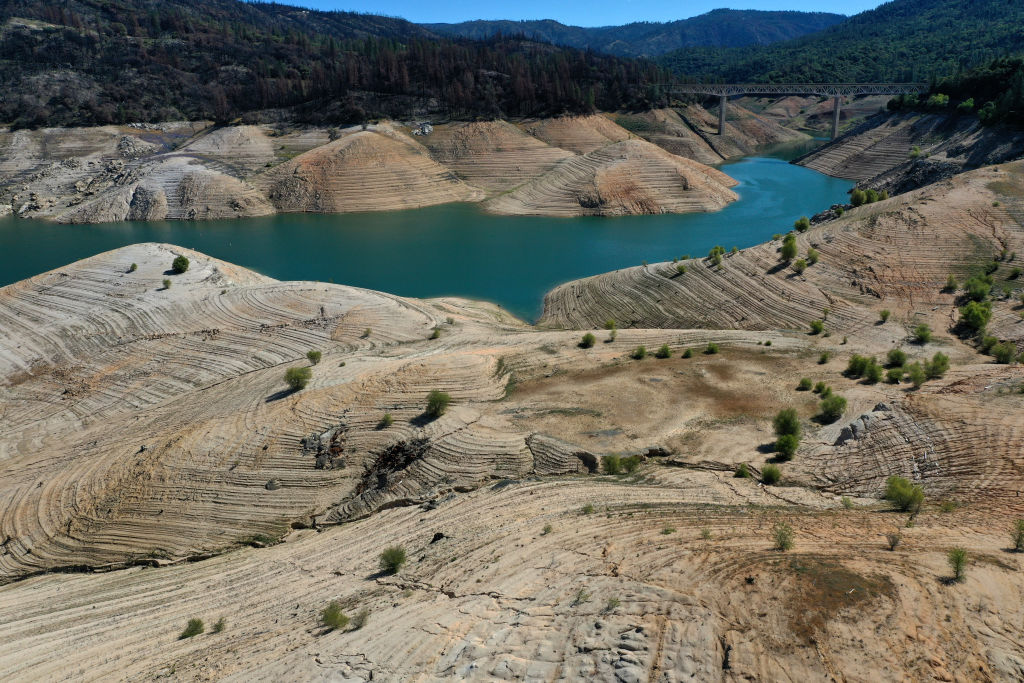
column 575, row 12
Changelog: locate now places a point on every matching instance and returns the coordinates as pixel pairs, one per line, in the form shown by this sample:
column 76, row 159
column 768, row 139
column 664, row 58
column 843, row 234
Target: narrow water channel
column 451, row 249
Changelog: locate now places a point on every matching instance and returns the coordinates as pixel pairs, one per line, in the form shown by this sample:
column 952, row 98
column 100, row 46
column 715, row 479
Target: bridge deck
column 825, row 89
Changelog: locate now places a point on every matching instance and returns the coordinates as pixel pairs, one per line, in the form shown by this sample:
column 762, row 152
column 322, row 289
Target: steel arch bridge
column 834, row 90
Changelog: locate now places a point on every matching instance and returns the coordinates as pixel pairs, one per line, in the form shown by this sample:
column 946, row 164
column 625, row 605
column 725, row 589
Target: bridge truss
column 837, row 91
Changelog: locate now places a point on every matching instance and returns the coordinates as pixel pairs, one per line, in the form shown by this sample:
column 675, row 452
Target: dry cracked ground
column 154, row 468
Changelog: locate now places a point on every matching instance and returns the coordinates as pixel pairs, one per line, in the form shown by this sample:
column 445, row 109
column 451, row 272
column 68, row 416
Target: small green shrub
column 612, row 334
column 922, row 334
column 951, row 284
column 298, row 378
column 978, row 287
column 367, row 332
column 896, row 358
column 813, row 256
column 742, row 471
column 976, row 314
column 711, row 349
column 392, row 559
column 663, row 351
column 847, row 503
column 893, row 539
column 436, row 334
column 167, row 283
column 906, row 496
column 800, row 266
column 193, row 628
column 314, row 356
column 894, row 375
column 787, row 422
column 587, row 341
column 609, row 324
column 771, row 475
column 612, row 464
column 1017, row 535
column 916, row 374
column 820, row 387
column 957, row 558
column 705, row 533
column 817, row 326
column 786, row 447
column 884, row 315
column 802, row 224
column 681, row 269
column 789, row 249
column 668, row 530
column 587, row 509
column 857, row 197
column 132, row 268
column 1004, row 353
column 179, row 264
column 688, row 353
column 824, row 357
column 937, row 366
column 611, row 605
column 857, row 366
column 386, row 421
column 782, row 534
column 220, row 625
column 332, row 617
column 873, row 372
column 805, row 384
column 546, row 530
column 639, row 353
column 437, row 403
column 832, row 408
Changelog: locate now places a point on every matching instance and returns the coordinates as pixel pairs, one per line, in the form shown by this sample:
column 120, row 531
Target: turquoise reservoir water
column 452, row 249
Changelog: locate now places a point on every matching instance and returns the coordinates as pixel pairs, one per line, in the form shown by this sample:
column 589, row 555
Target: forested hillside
column 719, row 28
column 903, row 40
column 108, row 61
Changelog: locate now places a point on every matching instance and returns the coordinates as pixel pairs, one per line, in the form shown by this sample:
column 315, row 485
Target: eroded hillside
column 567, row 166
column 144, row 425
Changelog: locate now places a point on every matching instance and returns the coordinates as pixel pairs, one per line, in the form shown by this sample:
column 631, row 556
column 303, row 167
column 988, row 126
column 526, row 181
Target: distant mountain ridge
column 718, row 28
column 901, row 40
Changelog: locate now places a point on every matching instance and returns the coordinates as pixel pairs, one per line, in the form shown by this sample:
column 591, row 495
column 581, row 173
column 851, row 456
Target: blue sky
column 576, row 12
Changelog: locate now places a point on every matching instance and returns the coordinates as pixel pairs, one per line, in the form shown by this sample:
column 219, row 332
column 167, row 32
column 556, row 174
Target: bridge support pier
column 836, row 103
column 722, row 99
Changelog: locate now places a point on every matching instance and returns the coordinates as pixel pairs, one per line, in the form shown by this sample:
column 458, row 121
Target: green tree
column 800, row 266
column 832, row 408
column 896, row 358
column 786, row 446
column 179, row 264
column 437, row 403
column 587, row 341
column 813, row 256
column 639, row 353
column 787, row 422
column 937, row 366
column 916, row 374
column 817, row 326
column 771, row 475
column 976, row 315
column 922, row 334
column 298, row 378
column 663, row 351
column 789, row 249
column 314, row 356
column 904, row 495
column 857, row 197
column 802, row 224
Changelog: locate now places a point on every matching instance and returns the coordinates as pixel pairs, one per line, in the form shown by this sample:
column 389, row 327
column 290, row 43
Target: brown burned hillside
column 91, row 62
